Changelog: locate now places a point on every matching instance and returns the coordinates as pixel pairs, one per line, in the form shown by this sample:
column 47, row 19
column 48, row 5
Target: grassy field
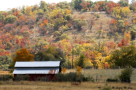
column 101, row 75
column 27, row 85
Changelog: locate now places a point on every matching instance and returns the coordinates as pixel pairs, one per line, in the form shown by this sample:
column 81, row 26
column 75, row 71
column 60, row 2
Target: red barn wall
column 34, row 76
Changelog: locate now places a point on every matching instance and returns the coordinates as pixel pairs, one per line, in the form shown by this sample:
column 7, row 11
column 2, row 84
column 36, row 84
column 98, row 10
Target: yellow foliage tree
column 127, row 37
column 28, row 10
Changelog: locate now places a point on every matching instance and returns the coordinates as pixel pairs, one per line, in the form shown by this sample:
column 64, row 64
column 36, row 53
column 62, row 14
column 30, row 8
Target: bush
column 46, row 78
column 57, row 33
column 106, row 87
column 10, row 18
column 88, row 79
column 97, row 15
column 112, row 80
column 64, row 36
column 5, row 77
column 22, row 77
column 72, row 76
column 126, row 75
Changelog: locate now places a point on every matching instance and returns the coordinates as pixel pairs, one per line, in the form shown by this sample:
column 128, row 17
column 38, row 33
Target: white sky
column 5, row 4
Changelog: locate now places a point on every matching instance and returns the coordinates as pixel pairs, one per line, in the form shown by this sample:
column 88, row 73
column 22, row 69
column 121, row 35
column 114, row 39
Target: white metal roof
column 38, row 64
column 36, row 70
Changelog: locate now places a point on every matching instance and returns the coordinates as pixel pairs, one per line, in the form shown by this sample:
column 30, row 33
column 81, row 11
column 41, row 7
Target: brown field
column 102, row 76
column 27, row 85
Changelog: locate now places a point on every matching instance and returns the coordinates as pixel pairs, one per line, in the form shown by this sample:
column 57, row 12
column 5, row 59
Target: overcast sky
column 5, row 4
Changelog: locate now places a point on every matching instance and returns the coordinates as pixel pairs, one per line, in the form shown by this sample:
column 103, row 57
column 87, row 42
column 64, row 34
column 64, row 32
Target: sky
column 5, row 5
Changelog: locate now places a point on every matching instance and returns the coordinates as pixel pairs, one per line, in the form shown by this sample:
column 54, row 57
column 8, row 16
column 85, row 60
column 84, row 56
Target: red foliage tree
column 122, row 43
column 110, row 44
column 110, row 6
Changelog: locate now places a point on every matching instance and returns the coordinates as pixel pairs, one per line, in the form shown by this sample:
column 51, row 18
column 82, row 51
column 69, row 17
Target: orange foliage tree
column 85, row 5
column 22, row 55
column 101, row 5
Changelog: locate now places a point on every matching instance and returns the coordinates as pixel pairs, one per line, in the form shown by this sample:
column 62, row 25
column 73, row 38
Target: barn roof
column 36, row 70
column 38, row 64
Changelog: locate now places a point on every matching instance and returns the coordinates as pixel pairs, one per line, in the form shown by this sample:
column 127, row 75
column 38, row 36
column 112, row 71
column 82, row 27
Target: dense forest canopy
column 79, row 33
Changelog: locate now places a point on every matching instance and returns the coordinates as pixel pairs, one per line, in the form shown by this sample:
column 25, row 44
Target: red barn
column 37, row 69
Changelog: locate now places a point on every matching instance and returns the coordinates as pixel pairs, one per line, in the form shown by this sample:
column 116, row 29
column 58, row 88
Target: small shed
column 36, row 69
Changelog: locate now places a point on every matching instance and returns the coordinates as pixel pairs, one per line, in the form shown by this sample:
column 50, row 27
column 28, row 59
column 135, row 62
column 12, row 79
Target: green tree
column 81, row 61
column 40, row 12
column 123, row 3
column 126, row 75
column 77, row 4
column 43, row 5
column 10, row 18
column 120, row 25
column 1, row 15
column 50, row 54
column 124, row 57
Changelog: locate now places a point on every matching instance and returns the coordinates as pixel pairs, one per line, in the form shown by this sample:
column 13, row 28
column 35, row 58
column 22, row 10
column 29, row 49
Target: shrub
column 112, row 80
column 106, row 87
column 72, row 76
column 97, row 15
column 46, row 78
column 5, row 77
column 125, row 75
column 57, row 33
column 88, row 79
column 22, row 77
column 64, row 36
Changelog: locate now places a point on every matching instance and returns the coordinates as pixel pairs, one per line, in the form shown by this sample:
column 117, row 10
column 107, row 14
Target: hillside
column 93, row 29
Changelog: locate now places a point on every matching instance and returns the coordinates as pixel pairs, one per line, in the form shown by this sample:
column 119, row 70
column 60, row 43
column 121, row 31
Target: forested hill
column 68, row 31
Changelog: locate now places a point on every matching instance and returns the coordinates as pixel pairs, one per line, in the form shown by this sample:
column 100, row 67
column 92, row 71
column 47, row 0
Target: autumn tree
column 127, row 36
column 123, row 3
column 2, row 16
column 124, row 57
column 85, row 5
column 23, row 9
column 22, row 55
column 122, row 43
column 81, row 61
column 101, row 5
column 10, row 19
column 28, row 10
column 51, row 53
column 110, row 5
column 63, row 5
column 43, row 5
column 77, row 4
